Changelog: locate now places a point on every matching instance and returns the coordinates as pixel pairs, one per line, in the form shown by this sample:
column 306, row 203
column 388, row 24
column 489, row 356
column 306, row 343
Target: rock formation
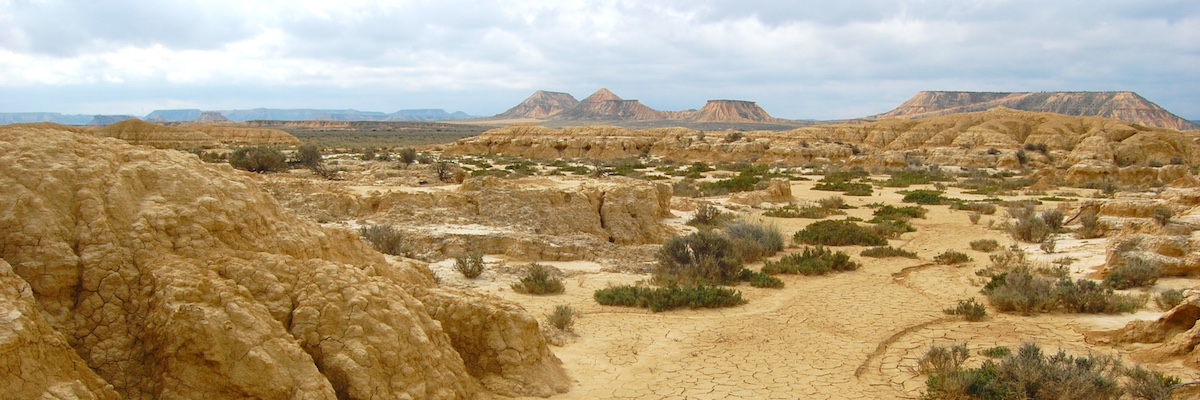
column 149, row 274
column 210, row 116
column 731, row 111
column 238, row 135
column 606, row 106
column 106, row 120
column 1095, row 148
column 1174, row 334
column 1125, row 106
column 541, row 104
column 164, row 137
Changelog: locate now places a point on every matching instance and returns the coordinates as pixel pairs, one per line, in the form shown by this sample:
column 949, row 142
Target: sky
column 797, row 59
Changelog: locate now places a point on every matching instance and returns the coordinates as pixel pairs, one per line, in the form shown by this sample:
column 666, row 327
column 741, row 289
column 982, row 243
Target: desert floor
column 842, row 336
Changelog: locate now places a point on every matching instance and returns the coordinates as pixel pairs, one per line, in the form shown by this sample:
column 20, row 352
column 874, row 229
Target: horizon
column 801, row 60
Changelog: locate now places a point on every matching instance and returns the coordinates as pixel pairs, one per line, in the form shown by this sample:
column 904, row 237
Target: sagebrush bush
column 562, row 318
column 985, row 245
column 889, row 212
column 969, row 309
column 1135, row 272
column 924, row 196
column 838, row 233
column 309, row 156
column 1168, row 299
column 1031, row 229
column 942, row 360
column 384, row 239
column 891, row 229
column 832, row 203
column 708, row 216
column 669, row 298
column 813, row 261
column 1021, row 291
column 538, row 279
column 1162, row 215
column 1032, row 374
column 258, row 159
column 1053, row 219
column 704, row 257
column 795, row 211
column 754, row 242
column 887, row 251
column 949, row 257
column 470, row 265
column 1089, row 224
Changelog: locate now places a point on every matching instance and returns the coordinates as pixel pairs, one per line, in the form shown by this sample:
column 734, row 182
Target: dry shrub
column 384, row 239
column 562, row 318
column 539, row 279
column 470, row 265
column 985, row 245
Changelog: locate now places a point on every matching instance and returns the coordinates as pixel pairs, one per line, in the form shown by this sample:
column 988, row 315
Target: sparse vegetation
column 562, row 318
column 761, row 280
column 1021, row 291
column 1031, row 229
column 1168, row 299
column 985, row 245
column 538, row 279
column 754, row 242
column 1090, row 225
column 384, row 239
column 670, row 297
column 259, row 159
column 1162, row 215
column 943, row 360
column 950, row 257
column 887, row 251
column 924, row 196
column 708, row 216
column 969, row 309
column 1134, row 272
column 700, row 258
column 995, row 352
column 470, row 265
column 813, row 261
column 838, row 233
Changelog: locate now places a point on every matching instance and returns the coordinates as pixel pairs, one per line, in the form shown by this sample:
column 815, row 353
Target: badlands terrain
column 135, row 270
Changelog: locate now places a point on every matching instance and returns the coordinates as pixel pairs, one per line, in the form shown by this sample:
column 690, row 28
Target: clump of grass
column 384, row 239
column 838, row 233
column 887, row 251
column 951, row 257
column 813, row 261
column 969, row 309
column 538, row 280
column 562, row 318
column 985, row 245
column 470, row 265
column 1135, row 272
column 669, row 298
column 754, row 242
column 1168, row 299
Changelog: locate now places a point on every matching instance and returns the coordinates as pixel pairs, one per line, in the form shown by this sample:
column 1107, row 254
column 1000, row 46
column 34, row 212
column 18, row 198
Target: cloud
column 801, row 59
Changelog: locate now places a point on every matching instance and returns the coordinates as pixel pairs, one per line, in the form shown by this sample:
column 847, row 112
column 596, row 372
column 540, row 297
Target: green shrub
column 942, row 360
column 907, row 178
column 470, row 265
column 384, row 239
column 761, row 280
column 969, row 309
column 258, row 159
column 309, row 156
column 754, row 242
column 669, row 298
column 1088, row 297
column 408, row 156
column 924, row 196
column 562, row 318
column 794, row 211
column 995, row 352
column 708, row 216
column 1168, row 299
column 1021, row 291
column 887, row 251
column 889, row 212
column 538, row 280
column 832, row 203
column 1031, row 229
column 951, row 257
column 1032, row 374
column 847, row 188
column 891, row 229
column 838, row 233
column 813, row 261
column 1135, row 272
column 985, row 245
column 698, row 258
column 1053, row 219
column 1089, row 224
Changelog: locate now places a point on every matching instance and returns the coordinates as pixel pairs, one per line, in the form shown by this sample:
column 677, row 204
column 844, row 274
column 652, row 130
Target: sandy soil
column 854, row 335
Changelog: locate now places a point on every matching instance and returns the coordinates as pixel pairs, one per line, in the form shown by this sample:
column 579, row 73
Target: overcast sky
column 797, row 59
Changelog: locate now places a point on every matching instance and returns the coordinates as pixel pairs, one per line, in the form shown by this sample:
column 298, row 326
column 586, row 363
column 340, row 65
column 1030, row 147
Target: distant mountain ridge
column 606, row 106
column 264, row 114
column 1125, row 106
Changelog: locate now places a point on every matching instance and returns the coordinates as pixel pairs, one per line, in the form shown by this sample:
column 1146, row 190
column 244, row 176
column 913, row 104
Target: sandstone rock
column 144, row 133
column 237, row 135
column 541, row 104
column 1175, row 333
column 169, row 277
column 1127, row 106
column 777, row 191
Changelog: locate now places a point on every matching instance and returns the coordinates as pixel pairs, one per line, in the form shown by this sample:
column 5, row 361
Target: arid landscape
column 328, row 259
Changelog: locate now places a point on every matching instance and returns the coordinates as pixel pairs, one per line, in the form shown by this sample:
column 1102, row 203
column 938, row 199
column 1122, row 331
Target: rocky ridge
column 606, row 106
column 195, row 135
column 541, row 104
column 1125, row 106
column 149, row 274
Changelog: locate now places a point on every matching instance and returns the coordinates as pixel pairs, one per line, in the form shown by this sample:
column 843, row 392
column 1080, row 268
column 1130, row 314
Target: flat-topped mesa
column 1126, row 106
column 541, row 104
column 731, row 111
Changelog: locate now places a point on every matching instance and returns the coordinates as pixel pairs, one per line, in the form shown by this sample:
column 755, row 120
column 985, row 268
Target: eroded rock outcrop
column 167, row 277
column 136, row 131
column 1174, row 334
column 541, row 104
column 1125, row 106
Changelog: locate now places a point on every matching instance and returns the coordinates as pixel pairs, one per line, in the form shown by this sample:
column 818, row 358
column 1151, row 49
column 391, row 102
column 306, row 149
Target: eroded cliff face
column 194, row 135
column 731, row 111
column 167, row 277
column 541, row 104
column 1125, row 106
